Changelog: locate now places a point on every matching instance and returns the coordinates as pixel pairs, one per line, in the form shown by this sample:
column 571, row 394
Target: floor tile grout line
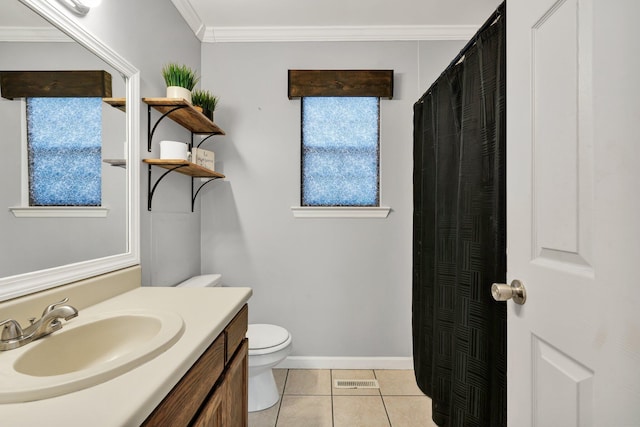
column 333, row 419
column 379, row 387
column 308, row 395
column 286, row 376
column 384, row 405
column 375, row 376
column 386, row 412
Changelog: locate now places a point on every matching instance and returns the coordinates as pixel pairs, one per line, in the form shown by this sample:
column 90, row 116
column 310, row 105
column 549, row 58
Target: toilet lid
column 264, row 336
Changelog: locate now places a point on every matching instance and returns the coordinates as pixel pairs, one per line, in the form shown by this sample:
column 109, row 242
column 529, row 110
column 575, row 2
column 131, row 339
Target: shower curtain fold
column 459, row 332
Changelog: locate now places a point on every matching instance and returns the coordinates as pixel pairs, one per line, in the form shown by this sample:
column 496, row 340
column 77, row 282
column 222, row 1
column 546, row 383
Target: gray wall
column 341, row 286
column 150, row 33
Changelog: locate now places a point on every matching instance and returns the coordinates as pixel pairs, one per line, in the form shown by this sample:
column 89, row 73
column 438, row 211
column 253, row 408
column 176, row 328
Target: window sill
column 60, row 212
column 340, row 212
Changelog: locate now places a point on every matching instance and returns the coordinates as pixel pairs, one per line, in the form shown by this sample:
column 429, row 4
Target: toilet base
column 263, row 392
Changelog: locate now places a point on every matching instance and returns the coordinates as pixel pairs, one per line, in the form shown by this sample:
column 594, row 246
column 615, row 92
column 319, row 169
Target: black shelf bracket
column 150, row 131
column 151, row 188
column 194, row 195
column 151, row 191
column 203, row 139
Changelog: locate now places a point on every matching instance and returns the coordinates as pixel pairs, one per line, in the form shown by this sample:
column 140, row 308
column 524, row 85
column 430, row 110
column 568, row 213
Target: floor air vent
column 357, row 384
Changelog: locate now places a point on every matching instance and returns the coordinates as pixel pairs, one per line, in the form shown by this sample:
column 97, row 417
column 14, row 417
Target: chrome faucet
column 13, row 336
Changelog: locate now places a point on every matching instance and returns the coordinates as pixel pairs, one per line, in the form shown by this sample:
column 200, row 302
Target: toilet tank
column 203, row 281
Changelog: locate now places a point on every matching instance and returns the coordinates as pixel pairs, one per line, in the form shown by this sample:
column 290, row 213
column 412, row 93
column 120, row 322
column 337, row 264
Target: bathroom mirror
column 41, row 249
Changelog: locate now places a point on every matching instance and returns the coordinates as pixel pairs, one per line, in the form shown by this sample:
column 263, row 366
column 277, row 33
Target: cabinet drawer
column 185, row 398
column 236, row 331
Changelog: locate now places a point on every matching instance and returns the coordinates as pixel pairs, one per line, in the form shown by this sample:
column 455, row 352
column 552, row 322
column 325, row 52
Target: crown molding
column 191, row 17
column 338, row 33
column 319, row 33
column 33, row 34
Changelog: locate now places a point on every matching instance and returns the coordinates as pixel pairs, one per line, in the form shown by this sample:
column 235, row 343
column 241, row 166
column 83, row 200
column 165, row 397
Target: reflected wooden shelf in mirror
column 119, row 103
column 184, row 167
column 185, row 115
column 121, row 163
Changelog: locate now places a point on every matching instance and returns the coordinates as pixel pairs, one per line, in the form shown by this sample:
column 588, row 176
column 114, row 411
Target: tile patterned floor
column 309, row 399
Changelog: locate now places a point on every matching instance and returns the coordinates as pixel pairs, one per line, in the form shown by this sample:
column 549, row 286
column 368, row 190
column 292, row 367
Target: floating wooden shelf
column 184, row 167
column 122, row 163
column 185, row 115
column 119, row 103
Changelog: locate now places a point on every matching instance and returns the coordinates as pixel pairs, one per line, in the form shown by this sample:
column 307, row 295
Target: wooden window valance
column 85, row 83
column 378, row 83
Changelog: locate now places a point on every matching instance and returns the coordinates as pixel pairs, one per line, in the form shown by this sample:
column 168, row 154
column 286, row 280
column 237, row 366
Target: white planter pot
column 179, row 92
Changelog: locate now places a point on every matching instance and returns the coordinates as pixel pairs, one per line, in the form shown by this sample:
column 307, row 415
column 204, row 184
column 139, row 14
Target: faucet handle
column 11, row 330
column 52, row 307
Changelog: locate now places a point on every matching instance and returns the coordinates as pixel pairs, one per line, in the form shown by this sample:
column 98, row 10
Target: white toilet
column 268, row 346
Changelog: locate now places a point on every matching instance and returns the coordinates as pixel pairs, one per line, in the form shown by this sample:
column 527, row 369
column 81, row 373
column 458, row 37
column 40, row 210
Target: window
column 340, row 169
column 62, row 168
column 64, row 159
column 340, row 151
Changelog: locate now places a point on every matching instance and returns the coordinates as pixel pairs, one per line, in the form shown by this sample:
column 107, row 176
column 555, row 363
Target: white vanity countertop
column 128, row 399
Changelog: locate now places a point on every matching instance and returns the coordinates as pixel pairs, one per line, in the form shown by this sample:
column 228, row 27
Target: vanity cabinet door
column 212, row 414
column 214, row 391
column 187, row 396
column 236, row 386
column 228, row 405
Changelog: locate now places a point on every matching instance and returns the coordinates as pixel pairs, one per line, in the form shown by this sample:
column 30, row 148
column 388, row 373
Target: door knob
column 504, row 292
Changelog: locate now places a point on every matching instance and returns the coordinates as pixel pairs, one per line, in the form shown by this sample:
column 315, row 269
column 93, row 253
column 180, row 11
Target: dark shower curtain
column 459, row 242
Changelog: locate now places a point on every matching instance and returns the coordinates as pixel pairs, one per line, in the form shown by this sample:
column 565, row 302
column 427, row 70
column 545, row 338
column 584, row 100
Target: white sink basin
column 86, row 352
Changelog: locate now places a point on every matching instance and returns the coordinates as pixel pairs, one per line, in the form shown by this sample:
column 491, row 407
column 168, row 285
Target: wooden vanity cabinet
column 214, row 392
column 228, row 406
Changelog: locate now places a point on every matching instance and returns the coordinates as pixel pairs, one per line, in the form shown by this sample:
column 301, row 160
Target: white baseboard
column 310, row 362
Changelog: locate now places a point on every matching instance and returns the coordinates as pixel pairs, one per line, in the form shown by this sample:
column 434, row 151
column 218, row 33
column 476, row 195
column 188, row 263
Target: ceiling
column 313, row 20
column 283, row 20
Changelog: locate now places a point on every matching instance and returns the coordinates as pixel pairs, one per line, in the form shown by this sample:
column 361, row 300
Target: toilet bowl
column 268, row 346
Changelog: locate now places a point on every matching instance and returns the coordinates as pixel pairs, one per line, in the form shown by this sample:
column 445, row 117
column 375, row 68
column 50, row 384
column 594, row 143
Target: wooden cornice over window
column 378, row 83
column 85, row 83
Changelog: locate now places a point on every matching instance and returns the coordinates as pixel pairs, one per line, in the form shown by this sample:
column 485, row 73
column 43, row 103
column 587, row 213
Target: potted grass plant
column 180, row 80
column 205, row 100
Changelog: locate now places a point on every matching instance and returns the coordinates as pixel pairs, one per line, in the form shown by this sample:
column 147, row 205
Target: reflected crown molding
column 33, row 34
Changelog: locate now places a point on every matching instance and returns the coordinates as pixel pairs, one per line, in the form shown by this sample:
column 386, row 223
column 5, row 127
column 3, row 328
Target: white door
column 573, row 212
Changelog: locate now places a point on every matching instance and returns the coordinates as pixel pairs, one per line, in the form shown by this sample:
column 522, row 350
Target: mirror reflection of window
column 64, row 158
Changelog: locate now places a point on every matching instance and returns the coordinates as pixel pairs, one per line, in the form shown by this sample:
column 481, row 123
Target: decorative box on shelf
column 204, row 158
